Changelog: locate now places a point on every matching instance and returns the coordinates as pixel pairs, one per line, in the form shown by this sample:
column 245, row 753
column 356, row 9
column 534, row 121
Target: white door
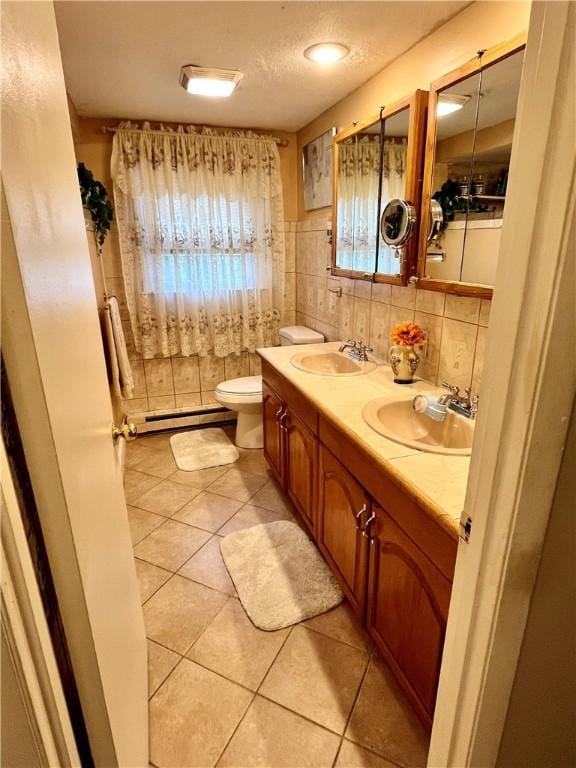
column 53, row 354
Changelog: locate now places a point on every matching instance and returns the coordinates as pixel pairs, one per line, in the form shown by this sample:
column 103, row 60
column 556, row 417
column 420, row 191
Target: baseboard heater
column 179, row 420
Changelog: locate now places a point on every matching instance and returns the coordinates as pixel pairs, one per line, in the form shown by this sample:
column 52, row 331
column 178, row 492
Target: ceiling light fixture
column 216, row 83
column 450, row 102
column 326, row 53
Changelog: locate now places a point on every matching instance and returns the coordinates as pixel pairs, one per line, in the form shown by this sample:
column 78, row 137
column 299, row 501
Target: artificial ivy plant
column 95, row 199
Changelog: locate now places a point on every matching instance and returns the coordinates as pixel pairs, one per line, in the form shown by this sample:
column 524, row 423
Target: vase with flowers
column 403, row 357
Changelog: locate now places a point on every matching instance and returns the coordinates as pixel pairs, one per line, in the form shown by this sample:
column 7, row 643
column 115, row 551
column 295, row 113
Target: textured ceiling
column 122, row 59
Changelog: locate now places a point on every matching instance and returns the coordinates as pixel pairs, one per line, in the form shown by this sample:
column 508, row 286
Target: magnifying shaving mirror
column 397, row 223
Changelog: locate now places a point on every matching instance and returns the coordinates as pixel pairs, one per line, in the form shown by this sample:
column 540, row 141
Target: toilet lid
column 246, row 385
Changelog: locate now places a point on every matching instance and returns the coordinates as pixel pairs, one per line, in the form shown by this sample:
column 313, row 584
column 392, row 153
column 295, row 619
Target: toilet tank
column 299, row 334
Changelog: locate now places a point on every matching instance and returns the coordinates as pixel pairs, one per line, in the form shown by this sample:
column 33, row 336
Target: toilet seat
column 246, row 389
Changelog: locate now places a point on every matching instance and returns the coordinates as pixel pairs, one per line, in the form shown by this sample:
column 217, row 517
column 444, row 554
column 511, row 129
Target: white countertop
column 436, row 480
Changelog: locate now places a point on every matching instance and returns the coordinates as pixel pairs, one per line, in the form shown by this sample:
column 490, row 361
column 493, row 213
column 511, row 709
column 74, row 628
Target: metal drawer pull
column 283, row 421
column 359, row 517
column 367, row 524
column 279, row 413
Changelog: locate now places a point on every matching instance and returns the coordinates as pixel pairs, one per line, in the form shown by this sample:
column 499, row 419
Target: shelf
column 494, row 198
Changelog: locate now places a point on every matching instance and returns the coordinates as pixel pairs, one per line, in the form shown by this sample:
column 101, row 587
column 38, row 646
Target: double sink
column 394, row 417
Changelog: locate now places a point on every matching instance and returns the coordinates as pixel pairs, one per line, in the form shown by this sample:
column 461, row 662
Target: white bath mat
column 203, row 448
column 279, row 574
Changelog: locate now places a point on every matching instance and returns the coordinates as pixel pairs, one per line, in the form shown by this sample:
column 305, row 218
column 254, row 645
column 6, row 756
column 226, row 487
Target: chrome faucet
column 466, row 405
column 357, row 350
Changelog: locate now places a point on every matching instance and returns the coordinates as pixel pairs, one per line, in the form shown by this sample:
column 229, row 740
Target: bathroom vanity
column 384, row 516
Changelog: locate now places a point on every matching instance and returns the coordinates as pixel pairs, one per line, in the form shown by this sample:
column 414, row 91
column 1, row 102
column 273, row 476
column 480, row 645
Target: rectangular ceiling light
column 217, row 83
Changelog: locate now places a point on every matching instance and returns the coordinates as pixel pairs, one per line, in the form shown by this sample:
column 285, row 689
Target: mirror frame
column 417, row 104
column 489, row 57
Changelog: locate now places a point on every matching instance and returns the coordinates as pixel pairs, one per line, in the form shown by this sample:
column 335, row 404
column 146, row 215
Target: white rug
column 203, row 448
column 279, row 574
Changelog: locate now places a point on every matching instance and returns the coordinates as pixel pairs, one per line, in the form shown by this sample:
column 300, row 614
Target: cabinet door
column 408, row 602
column 272, row 409
column 301, row 467
column 340, row 516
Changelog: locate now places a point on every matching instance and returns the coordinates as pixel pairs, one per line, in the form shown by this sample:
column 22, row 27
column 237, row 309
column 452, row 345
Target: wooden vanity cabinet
column 272, row 410
column 291, row 445
column 343, row 509
column 301, row 466
column 407, row 608
column 391, row 556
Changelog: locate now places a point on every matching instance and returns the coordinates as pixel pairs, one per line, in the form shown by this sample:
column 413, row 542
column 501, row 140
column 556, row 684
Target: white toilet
column 244, row 395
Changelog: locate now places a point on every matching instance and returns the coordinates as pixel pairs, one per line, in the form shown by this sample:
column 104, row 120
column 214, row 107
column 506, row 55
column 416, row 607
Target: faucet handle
column 452, row 387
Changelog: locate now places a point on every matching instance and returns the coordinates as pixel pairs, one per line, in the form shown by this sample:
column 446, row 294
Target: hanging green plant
column 95, row 199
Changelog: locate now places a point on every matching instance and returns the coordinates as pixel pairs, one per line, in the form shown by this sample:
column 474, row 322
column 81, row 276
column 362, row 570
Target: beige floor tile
column 250, row 515
column 200, row 478
column 136, row 483
column 166, row 498
column 353, row 756
column 160, row 463
column 316, row 676
column 236, row 484
column 207, row 567
column 254, row 461
column 341, row 624
column 193, row 716
column 135, row 453
column 170, row 545
column 150, row 579
column 272, row 497
column 384, row 722
column 270, row 736
column 232, row 646
column 142, row 523
column 179, row 612
column 208, row 511
column 157, row 440
column 161, row 662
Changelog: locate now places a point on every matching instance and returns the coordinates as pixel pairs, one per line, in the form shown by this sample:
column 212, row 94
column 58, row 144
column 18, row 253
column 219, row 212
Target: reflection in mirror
column 499, row 91
column 357, row 200
column 393, row 181
column 473, row 148
column 456, row 120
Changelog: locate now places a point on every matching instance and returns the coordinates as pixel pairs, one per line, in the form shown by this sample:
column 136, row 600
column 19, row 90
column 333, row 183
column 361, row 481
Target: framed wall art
column 317, row 171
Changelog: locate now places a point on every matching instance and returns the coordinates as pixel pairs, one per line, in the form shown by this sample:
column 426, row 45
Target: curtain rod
column 108, row 129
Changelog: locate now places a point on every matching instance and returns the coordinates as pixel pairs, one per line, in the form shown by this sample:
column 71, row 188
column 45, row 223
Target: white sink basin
column 331, row 364
column 398, row 421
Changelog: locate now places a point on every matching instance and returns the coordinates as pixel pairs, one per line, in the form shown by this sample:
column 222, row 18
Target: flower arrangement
column 407, row 334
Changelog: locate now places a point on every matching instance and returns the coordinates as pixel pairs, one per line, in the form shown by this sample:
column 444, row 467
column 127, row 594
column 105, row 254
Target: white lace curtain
column 393, row 185
column 200, row 221
column 357, row 213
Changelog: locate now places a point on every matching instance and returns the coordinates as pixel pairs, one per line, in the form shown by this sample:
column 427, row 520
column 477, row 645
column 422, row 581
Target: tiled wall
column 181, row 383
column 456, row 326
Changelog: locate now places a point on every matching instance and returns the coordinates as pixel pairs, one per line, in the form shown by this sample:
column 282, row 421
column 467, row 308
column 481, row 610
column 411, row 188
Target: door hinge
column 465, row 526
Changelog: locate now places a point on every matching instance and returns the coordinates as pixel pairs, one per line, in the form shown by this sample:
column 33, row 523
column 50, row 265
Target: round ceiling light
column 326, row 53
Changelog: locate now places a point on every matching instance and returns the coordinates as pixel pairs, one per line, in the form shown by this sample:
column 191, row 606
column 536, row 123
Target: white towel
column 120, row 369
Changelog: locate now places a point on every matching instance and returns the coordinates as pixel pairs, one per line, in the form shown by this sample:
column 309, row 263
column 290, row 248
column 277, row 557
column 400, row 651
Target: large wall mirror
column 357, row 164
column 375, row 161
column 471, row 120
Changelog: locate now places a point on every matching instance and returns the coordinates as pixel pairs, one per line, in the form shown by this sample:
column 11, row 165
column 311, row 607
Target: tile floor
column 223, row 693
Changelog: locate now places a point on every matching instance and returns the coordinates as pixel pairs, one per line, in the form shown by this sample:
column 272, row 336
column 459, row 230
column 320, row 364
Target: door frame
column 525, row 406
column 27, row 636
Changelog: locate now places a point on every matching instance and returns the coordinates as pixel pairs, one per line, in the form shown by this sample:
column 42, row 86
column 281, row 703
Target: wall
column 539, row 728
column 178, row 383
column 456, row 326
